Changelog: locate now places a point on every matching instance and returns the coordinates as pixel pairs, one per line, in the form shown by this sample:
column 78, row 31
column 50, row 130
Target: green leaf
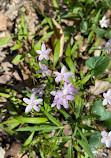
column 52, row 119
column 18, row 58
column 29, row 140
column 100, row 32
column 106, row 79
column 11, row 109
column 22, row 20
column 23, row 120
column 98, row 64
column 95, row 45
column 70, row 150
column 86, row 147
column 84, row 27
column 108, row 34
column 46, row 36
column 71, row 64
column 57, row 9
column 76, row 45
column 4, row 40
column 5, row 95
column 17, row 46
column 45, row 128
column 56, row 52
column 90, row 37
column 85, row 79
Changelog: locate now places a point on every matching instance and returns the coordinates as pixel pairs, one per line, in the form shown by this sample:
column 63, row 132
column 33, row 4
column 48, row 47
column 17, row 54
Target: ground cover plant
column 64, row 110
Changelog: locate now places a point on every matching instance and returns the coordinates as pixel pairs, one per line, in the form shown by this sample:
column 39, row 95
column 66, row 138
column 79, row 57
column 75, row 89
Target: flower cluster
column 43, row 54
column 39, row 91
column 106, row 138
column 107, row 98
column 61, row 97
column 108, row 47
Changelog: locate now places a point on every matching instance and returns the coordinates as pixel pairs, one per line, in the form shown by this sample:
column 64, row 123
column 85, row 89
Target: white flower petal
column 104, row 102
column 36, row 108
column 26, row 100
column 103, row 133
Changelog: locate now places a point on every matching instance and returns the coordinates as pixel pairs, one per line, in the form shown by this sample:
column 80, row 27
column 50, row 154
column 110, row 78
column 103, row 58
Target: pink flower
column 61, row 97
column 32, row 103
column 63, row 75
column 43, row 52
column 106, row 138
column 44, row 70
column 107, row 97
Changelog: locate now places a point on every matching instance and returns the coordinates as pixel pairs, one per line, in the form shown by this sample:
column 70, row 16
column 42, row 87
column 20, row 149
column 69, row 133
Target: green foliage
column 97, row 64
column 4, row 40
column 56, row 53
column 19, row 58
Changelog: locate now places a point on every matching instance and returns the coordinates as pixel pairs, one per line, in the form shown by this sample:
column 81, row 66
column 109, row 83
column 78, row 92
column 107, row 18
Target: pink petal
column 41, row 57
column 109, row 93
column 63, row 70
column 26, row 100
column 58, row 79
column 108, row 143
column 104, row 102
column 53, row 93
column 104, row 95
column 103, row 140
column 43, row 74
column 68, row 74
column 46, row 57
column 38, row 101
column 43, row 47
column 58, row 106
column 70, row 97
column 66, row 79
column 109, row 134
column 65, row 103
column 48, row 51
column 53, row 104
column 36, row 108
column 56, row 73
column 48, row 73
column 109, row 101
column 39, row 71
column 28, row 108
column 103, row 133
column 38, row 51
column 41, row 65
column 32, row 98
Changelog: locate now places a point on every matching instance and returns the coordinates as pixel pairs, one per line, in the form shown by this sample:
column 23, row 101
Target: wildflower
column 106, row 138
column 61, row 97
column 32, row 103
column 107, row 97
column 108, row 47
column 39, row 91
column 43, row 52
column 63, row 75
column 44, row 70
column 103, row 22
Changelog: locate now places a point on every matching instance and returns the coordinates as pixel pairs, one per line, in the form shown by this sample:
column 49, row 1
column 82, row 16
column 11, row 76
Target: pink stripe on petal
column 28, row 108
column 38, row 101
column 38, row 51
column 36, row 108
column 48, row 51
column 63, row 70
column 43, row 47
column 41, row 57
column 26, row 100
column 103, row 140
column 32, row 98
column 70, row 97
column 46, row 57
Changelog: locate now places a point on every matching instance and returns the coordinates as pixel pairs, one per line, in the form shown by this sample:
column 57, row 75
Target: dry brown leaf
column 100, row 87
column 60, row 35
column 3, row 22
